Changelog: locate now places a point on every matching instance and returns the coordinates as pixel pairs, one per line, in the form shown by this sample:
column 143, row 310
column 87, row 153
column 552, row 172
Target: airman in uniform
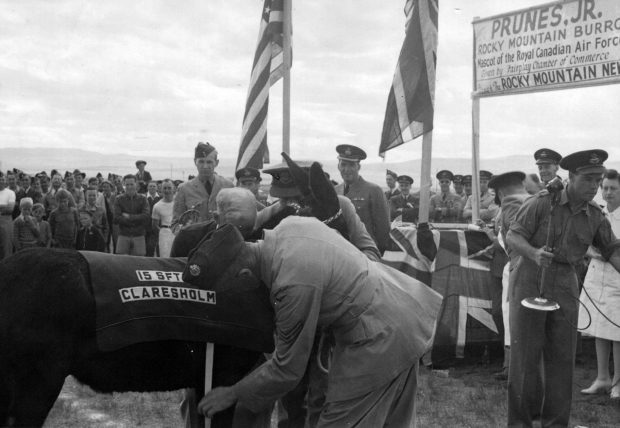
column 548, row 163
column 200, row 192
column 367, row 197
column 406, row 204
column 552, row 231
column 250, row 179
column 390, row 179
column 445, row 207
column 457, row 182
column 488, row 208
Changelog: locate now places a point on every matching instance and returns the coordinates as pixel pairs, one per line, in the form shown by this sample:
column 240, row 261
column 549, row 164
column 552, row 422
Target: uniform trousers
column 535, row 334
column 390, row 406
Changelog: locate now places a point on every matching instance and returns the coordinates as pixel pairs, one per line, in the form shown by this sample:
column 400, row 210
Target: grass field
column 463, row 394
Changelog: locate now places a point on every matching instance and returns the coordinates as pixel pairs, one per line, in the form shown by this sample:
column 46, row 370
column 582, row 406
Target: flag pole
column 475, row 157
column 286, row 77
column 475, row 145
column 425, row 177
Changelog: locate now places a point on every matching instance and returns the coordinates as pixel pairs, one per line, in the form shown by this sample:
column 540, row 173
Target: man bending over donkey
column 382, row 321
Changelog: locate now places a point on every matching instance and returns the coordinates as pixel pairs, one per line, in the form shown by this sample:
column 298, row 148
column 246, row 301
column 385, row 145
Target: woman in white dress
column 602, row 290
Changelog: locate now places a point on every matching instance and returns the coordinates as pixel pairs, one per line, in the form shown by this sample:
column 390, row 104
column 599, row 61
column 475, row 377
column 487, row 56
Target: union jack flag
column 410, row 106
column 267, row 69
column 461, row 273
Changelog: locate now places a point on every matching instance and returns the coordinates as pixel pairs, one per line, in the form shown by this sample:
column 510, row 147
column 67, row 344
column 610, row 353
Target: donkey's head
column 319, row 197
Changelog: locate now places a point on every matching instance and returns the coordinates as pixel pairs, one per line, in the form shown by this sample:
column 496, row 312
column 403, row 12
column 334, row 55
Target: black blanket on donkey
column 144, row 299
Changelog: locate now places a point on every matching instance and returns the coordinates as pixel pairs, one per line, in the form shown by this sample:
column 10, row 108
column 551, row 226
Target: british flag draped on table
column 461, row 273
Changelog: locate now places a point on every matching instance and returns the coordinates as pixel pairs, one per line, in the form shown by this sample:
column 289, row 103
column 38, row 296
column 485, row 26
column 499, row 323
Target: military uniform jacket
column 389, row 193
column 193, row 192
column 488, row 209
column 408, row 206
column 382, row 319
column 508, row 212
column 371, row 206
column 445, row 207
column 573, row 229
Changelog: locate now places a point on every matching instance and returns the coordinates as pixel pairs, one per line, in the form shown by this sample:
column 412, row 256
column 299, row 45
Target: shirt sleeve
column 604, row 239
column 528, row 217
column 380, row 214
column 179, row 206
column 358, row 235
column 296, row 311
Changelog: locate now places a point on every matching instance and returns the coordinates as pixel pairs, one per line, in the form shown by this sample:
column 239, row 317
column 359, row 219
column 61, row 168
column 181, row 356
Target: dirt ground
column 453, row 393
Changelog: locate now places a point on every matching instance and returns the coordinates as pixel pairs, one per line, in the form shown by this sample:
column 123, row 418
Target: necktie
column 346, row 189
column 208, row 187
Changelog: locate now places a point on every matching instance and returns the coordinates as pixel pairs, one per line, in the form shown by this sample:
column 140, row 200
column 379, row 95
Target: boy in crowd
column 25, row 227
column 64, row 221
column 45, row 232
column 97, row 213
column 89, row 237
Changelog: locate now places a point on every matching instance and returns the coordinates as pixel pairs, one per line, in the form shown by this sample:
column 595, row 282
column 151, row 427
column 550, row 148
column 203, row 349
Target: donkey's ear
column 322, row 188
column 302, row 181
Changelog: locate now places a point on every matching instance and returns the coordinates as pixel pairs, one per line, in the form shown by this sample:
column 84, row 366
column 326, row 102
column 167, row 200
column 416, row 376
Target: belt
column 7, row 214
column 163, row 226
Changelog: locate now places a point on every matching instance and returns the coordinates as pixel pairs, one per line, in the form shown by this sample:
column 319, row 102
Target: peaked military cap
column 138, row 162
column 485, row 174
column 391, row 173
column 457, row 178
column 506, row 179
column 444, row 174
column 466, row 179
column 585, row 162
column 547, row 156
column 203, row 150
column 405, row 179
column 247, row 173
column 282, row 183
column 350, row 153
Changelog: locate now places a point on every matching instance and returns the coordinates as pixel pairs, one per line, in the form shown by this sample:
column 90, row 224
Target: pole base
column 540, row 304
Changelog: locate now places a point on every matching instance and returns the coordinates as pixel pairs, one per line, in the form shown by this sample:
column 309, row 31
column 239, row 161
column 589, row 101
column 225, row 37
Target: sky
column 155, row 77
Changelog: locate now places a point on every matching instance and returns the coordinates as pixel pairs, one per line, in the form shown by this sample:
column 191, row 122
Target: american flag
column 461, row 273
column 266, row 70
column 410, row 110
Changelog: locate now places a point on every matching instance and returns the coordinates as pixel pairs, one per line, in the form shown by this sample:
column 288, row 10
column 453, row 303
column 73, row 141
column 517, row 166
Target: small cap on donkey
column 213, row 255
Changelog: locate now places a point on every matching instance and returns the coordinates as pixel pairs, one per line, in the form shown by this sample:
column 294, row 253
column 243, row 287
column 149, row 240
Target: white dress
column 602, row 285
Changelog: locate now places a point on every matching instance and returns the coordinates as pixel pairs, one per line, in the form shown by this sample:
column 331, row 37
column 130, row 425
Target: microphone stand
column 541, row 303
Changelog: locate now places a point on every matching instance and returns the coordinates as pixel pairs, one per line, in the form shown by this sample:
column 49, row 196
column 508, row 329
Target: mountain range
column 33, row 160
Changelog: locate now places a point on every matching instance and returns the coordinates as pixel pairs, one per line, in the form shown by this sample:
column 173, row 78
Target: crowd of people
column 546, row 231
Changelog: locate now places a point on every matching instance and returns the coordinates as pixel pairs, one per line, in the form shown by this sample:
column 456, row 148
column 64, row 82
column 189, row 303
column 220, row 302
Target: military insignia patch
column 194, row 270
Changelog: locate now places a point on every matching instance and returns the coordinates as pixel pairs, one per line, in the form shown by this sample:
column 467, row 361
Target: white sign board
column 553, row 46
